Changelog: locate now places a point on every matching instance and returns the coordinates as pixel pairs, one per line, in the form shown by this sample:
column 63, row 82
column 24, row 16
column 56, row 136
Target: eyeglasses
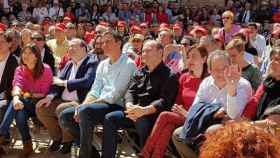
column 225, row 17
column 70, row 28
column 136, row 40
column 99, row 32
column 38, row 38
column 185, row 44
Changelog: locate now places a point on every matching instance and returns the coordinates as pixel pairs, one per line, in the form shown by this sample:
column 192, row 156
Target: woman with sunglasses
column 229, row 28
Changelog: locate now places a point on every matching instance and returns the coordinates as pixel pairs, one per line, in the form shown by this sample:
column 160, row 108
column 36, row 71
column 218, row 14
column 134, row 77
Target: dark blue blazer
column 84, row 78
column 200, row 117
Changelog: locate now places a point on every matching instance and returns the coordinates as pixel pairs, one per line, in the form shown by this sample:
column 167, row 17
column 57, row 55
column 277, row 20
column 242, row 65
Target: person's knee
column 65, row 118
column 40, row 112
column 59, row 109
column 176, row 135
column 213, row 128
column 111, row 119
column 164, row 116
column 85, row 111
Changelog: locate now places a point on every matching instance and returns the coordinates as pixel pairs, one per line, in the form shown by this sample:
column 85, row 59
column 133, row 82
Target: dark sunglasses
column 185, row 44
column 226, row 17
column 38, row 38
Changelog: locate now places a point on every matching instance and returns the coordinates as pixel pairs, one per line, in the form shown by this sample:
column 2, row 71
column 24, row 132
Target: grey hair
column 159, row 46
column 81, row 42
column 217, row 54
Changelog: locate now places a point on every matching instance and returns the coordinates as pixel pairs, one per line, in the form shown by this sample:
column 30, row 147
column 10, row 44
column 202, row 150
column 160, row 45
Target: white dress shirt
column 260, row 44
column 67, row 95
column 208, row 92
column 2, row 67
column 55, row 12
column 42, row 54
column 40, row 13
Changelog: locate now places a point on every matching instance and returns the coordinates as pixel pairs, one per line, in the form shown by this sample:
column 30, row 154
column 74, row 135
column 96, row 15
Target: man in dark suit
column 247, row 15
column 46, row 53
column 8, row 64
column 70, row 89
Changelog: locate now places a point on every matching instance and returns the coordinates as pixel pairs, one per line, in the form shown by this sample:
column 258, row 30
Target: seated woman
column 31, row 82
column 266, row 102
column 189, row 81
column 240, row 139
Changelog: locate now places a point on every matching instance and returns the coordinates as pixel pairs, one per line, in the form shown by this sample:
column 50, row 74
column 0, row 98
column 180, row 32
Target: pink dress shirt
column 24, row 80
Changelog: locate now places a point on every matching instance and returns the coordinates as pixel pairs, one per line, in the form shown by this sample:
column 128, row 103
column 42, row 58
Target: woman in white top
column 40, row 12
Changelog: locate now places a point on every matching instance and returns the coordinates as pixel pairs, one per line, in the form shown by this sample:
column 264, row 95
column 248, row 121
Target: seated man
column 69, row 89
column 112, row 80
column 236, row 49
column 46, row 54
column 153, row 90
column 223, row 87
column 8, row 64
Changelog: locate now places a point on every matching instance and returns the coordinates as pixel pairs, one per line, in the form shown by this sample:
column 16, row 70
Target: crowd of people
column 194, row 82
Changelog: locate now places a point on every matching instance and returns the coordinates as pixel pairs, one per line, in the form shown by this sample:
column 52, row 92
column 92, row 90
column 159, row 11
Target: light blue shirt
column 112, row 80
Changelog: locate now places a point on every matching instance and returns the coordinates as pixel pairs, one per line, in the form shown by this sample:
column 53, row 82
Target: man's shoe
column 55, row 146
column 66, row 148
column 95, row 153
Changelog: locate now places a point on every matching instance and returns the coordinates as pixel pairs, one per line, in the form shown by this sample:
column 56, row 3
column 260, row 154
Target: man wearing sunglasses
column 46, row 53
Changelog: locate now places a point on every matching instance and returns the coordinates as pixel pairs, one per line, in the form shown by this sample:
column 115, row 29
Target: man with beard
column 97, row 50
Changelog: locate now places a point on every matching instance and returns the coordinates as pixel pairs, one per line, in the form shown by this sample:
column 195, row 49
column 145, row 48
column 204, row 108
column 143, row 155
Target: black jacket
column 49, row 59
column 158, row 88
column 8, row 76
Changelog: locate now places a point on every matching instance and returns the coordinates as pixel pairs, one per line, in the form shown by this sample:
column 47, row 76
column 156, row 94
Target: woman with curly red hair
column 240, row 140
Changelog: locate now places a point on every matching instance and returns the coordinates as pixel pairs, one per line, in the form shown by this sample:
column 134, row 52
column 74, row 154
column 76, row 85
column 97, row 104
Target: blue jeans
column 7, row 120
column 68, row 123
column 116, row 120
column 90, row 116
column 21, row 117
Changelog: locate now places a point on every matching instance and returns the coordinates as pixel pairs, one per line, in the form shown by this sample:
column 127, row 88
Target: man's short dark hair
column 116, row 35
column 253, row 24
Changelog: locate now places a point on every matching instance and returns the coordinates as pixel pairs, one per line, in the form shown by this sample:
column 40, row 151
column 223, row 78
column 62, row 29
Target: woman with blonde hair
column 25, row 37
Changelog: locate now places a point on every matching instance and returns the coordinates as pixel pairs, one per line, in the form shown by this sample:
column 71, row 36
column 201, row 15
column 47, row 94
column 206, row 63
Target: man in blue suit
column 69, row 89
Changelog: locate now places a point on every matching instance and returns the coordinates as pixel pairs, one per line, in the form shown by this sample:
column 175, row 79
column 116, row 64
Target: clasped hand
column 134, row 112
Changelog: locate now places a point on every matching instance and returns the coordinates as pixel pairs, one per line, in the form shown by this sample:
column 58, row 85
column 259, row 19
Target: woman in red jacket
column 157, row 142
column 162, row 16
column 265, row 105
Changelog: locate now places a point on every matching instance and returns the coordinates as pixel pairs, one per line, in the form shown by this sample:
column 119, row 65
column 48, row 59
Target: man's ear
column 10, row 44
column 209, row 70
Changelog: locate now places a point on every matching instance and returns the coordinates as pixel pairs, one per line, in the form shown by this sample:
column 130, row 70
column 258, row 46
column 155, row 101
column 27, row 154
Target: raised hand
column 232, row 76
